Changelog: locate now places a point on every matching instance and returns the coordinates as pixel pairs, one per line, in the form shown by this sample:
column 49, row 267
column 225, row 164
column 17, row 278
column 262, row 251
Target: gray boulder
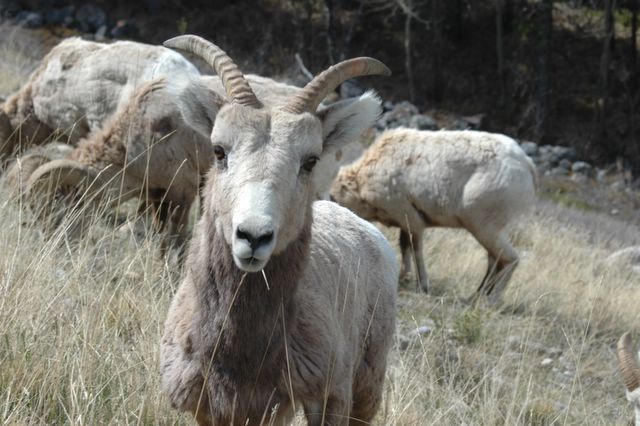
column 530, row 148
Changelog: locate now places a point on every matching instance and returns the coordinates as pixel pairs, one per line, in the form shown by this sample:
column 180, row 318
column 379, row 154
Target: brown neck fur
column 250, row 352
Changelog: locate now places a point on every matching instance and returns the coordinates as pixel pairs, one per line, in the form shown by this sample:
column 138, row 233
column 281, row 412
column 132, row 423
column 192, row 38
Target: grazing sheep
column 630, row 371
column 78, row 85
column 417, row 179
column 132, row 140
column 285, row 302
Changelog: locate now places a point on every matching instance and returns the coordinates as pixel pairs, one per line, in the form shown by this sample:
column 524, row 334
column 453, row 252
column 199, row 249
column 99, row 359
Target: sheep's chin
column 251, row 264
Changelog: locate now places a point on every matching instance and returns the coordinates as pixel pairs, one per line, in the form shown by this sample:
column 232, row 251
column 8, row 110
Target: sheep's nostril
column 263, row 240
column 254, row 241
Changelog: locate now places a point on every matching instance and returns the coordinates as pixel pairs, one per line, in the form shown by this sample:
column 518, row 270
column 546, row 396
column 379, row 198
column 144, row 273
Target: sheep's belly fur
column 347, row 290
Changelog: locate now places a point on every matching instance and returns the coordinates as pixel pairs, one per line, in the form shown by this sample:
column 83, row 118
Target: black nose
column 253, row 240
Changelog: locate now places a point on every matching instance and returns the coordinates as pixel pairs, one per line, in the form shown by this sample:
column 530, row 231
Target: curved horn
column 628, row 364
column 59, row 172
column 325, row 82
column 18, row 173
column 233, row 81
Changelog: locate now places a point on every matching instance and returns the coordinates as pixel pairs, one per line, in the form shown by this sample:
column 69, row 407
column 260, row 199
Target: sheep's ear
column 347, row 120
column 199, row 106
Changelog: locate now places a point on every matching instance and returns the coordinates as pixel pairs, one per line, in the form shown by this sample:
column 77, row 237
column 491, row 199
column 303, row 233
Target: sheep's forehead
column 269, row 129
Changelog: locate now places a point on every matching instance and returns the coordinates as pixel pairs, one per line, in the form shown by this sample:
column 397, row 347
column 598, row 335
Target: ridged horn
column 628, row 364
column 17, row 175
column 233, row 81
column 50, row 177
column 324, row 83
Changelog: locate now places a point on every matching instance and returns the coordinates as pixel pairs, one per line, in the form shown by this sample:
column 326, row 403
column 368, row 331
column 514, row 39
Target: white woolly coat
column 443, row 178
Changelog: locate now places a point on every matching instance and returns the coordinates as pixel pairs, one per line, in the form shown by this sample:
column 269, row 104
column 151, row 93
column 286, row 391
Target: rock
column 546, row 362
column 460, row 124
column 582, row 167
column 423, row 330
column 474, row 122
column 61, row 16
column 565, row 164
column 580, row 178
column 423, row 122
column 546, row 155
column 557, row 171
column 626, row 258
column 399, row 116
column 565, row 152
column 9, row 8
column 529, row 148
column 387, row 106
column 601, row 175
column 101, row 34
column 407, row 106
column 90, row 17
column 30, row 19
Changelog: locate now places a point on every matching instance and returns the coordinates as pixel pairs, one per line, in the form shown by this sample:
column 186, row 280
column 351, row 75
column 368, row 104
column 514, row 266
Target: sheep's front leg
column 411, row 246
column 405, row 248
column 423, row 278
column 335, row 412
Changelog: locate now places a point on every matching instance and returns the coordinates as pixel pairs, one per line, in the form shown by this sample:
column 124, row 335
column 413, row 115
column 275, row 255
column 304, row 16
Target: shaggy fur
column 317, row 330
column 78, row 85
column 417, row 179
column 127, row 119
column 314, row 331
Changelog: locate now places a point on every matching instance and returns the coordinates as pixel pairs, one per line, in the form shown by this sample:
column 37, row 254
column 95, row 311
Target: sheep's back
column 446, row 173
column 82, row 83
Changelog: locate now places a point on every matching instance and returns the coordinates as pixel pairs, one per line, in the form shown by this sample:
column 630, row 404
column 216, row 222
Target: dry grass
column 82, row 323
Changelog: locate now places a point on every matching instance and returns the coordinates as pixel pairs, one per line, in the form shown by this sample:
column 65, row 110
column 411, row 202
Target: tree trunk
column 544, row 71
column 605, row 61
column 500, row 47
column 436, row 20
column 330, row 28
column 347, row 39
column 308, row 35
column 407, row 56
column 633, row 98
column 634, row 47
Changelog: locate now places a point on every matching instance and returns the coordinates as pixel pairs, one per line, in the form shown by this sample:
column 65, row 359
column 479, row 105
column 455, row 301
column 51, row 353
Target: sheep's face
column 261, row 183
column 345, row 192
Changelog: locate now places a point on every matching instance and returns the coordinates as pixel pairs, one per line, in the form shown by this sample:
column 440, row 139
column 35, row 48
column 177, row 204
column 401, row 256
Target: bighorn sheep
column 285, row 302
column 630, row 371
column 135, row 140
column 77, row 86
column 417, row 179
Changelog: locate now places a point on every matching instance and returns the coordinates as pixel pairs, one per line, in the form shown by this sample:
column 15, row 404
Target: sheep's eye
column 218, row 151
column 309, row 164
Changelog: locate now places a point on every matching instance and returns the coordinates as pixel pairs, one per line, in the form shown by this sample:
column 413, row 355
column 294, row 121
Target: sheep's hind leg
column 405, row 248
column 503, row 260
column 492, row 265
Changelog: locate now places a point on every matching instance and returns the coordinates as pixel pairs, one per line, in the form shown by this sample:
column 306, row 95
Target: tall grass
column 82, row 322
